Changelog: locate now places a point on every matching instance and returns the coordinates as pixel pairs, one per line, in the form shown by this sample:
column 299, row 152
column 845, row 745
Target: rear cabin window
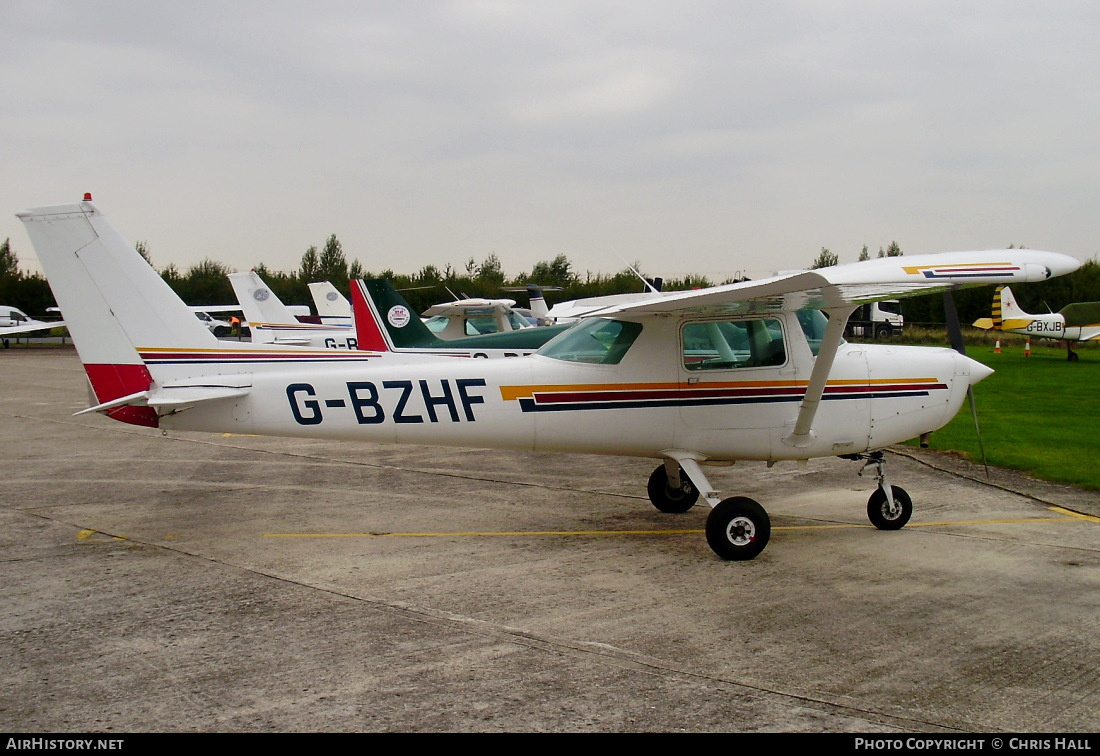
column 732, row 344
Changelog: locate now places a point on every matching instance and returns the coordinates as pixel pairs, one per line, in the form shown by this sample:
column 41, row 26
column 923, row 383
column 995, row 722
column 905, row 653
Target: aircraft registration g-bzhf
column 746, row 371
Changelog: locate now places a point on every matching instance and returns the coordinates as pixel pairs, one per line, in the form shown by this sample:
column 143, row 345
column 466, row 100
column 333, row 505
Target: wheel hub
column 741, row 531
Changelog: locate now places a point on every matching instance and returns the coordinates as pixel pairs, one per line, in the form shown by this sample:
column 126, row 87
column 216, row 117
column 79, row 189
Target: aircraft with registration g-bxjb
column 744, row 371
column 1079, row 321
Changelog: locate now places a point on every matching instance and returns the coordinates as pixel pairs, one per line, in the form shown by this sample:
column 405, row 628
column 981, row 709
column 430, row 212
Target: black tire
column 738, row 529
column 221, row 331
column 882, row 332
column 671, row 500
column 881, row 517
column 1073, row 357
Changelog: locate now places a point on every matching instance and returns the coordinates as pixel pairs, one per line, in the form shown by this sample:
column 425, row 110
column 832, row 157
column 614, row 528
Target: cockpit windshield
column 813, row 324
column 596, row 341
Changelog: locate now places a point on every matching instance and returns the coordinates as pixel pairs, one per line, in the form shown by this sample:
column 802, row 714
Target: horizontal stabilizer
column 170, row 397
column 132, row 400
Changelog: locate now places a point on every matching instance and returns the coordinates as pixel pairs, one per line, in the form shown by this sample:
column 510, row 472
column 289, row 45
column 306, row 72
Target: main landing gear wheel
column 886, row 517
column 671, row 500
column 738, row 528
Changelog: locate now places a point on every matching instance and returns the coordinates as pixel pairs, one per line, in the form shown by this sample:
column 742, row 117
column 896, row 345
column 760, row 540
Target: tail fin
column 332, row 307
column 1007, row 315
column 381, row 311
column 536, row 299
column 260, row 305
column 115, row 304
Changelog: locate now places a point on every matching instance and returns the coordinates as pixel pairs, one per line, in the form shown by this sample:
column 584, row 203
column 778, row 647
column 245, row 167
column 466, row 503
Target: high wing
column 1081, row 314
column 838, row 290
column 845, row 286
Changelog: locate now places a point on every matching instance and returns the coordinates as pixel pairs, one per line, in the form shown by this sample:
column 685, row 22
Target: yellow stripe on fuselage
column 511, row 393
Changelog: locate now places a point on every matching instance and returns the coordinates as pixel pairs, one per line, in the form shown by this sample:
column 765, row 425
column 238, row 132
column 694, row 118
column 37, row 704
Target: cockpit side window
column 732, row 344
column 596, row 341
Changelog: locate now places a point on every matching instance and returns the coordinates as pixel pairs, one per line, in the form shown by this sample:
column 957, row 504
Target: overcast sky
column 692, row 137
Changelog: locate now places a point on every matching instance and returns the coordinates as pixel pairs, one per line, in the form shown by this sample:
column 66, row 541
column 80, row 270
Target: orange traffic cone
column 997, row 349
column 1027, row 348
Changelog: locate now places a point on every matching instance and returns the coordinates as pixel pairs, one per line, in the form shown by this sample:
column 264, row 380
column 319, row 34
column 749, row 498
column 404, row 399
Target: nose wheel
column 889, row 507
column 889, row 515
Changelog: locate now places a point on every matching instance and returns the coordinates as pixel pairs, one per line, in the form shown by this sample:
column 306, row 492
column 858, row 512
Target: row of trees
column 205, row 283
column 827, row 259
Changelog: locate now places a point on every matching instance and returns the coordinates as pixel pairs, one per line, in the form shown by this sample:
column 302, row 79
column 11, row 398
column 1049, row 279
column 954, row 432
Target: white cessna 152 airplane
column 746, row 371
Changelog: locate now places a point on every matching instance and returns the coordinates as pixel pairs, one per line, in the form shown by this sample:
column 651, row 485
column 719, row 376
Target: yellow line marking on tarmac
column 1071, row 516
column 1075, row 515
column 89, row 535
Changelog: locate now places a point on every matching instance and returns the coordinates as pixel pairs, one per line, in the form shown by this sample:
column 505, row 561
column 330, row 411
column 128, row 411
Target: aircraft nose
column 974, row 370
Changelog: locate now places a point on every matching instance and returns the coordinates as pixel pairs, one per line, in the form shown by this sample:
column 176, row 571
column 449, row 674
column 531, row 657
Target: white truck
column 878, row 319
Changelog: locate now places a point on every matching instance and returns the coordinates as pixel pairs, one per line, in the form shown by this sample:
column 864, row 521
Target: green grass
column 1038, row 414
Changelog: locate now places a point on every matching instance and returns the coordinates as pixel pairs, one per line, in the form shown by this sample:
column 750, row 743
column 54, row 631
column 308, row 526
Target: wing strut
column 802, row 435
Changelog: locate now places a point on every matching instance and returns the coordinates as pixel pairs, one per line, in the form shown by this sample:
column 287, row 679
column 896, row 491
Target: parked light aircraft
column 745, row 371
column 474, row 316
column 380, row 310
column 536, row 301
column 386, row 325
column 1074, row 322
column 272, row 322
column 14, row 321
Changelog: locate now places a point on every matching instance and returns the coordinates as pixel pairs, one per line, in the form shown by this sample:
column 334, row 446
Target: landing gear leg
column 737, row 528
column 671, row 490
column 889, row 507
